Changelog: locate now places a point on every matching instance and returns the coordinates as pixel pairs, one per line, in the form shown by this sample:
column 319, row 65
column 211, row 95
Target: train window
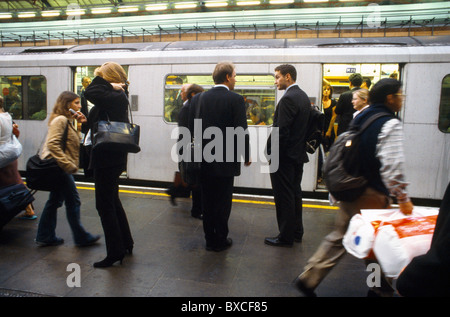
column 257, row 90
column 444, row 107
column 25, row 97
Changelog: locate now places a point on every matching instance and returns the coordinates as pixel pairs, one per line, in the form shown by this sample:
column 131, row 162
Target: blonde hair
column 362, row 93
column 62, row 105
column 112, row 72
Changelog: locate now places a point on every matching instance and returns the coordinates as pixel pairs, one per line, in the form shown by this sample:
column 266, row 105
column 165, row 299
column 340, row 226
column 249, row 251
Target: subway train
column 31, row 78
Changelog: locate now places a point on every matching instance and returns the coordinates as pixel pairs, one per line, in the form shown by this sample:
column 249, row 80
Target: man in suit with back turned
column 291, row 119
column 221, row 110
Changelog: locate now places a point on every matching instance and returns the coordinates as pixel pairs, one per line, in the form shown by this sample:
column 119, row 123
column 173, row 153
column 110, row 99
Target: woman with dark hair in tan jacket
column 65, row 150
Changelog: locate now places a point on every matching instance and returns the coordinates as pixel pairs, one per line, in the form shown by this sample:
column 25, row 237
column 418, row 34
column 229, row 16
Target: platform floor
column 169, row 258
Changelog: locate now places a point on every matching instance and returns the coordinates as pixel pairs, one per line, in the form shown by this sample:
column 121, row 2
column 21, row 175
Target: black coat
column 292, row 117
column 222, row 109
column 429, row 274
column 108, row 104
column 344, row 110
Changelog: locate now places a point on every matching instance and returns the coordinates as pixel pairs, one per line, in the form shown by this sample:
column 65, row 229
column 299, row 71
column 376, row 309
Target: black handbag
column 45, row 174
column 13, row 199
column 116, row 136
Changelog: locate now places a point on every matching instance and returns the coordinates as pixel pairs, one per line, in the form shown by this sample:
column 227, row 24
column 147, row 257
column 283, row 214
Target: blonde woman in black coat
column 109, row 94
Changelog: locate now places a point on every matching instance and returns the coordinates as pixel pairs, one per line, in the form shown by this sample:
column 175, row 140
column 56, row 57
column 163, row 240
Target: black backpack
column 314, row 134
column 342, row 168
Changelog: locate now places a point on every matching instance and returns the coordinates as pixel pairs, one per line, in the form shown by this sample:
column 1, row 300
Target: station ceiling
column 174, row 6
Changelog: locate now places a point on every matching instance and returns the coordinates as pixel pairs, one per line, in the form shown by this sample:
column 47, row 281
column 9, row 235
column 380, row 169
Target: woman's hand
column 117, row 86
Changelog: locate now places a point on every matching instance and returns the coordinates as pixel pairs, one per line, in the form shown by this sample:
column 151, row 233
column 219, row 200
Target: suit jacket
column 221, row 109
column 344, row 110
column 292, row 117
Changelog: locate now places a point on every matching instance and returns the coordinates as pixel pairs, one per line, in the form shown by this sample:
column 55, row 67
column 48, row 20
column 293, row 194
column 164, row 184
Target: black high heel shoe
column 109, row 261
column 129, row 250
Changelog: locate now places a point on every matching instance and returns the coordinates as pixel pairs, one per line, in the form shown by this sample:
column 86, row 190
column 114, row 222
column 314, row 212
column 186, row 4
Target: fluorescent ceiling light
column 5, row 15
column 156, row 7
column 248, row 3
column 281, row 1
column 26, row 14
column 215, row 4
column 75, row 12
column 53, row 13
column 128, row 9
column 311, row 1
column 185, row 5
column 101, row 10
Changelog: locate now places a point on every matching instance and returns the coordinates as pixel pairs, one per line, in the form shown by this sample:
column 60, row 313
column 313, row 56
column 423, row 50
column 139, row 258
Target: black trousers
column 113, row 218
column 287, row 191
column 217, row 194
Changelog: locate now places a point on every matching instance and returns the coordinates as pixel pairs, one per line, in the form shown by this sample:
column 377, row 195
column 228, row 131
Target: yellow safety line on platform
column 244, row 201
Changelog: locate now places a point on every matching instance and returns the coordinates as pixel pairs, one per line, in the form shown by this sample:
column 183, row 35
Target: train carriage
column 156, row 71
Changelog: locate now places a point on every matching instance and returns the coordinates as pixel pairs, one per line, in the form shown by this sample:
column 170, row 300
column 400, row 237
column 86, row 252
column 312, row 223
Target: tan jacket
column 53, row 146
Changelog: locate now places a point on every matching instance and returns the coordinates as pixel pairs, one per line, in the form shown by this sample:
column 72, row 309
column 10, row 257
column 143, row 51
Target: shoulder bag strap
column 372, row 119
column 64, row 139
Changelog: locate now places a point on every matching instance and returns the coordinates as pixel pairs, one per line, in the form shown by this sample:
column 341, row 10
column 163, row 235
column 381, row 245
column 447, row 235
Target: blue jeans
column 67, row 193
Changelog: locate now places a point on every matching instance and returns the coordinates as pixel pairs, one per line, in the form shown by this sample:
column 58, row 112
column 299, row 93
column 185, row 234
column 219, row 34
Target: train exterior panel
column 423, row 67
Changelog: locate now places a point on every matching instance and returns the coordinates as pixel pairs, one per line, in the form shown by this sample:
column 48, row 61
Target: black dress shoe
column 109, row 261
column 301, row 287
column 277, row 242
column 171, row 196
column 198, row 216
column 223, row 247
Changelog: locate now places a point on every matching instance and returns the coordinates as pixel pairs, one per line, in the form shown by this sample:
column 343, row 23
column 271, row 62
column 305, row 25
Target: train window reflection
column 444, row 107
column 258, row 92
column 25, row 97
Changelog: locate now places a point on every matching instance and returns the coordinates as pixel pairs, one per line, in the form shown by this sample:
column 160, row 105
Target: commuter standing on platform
column 180, row 188
column 221, row 109
column 291, row 118
column 344, row 108
column 61, row 120
column 381, row 150
column 109, row 94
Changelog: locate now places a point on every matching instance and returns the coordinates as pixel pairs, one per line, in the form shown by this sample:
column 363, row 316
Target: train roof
column 232, row 44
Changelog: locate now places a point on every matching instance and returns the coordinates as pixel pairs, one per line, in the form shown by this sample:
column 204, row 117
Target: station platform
column 169, row 257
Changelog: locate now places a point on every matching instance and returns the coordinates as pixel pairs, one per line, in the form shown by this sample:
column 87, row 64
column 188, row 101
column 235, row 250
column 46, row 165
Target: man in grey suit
column 225, row 144
column 291, row 119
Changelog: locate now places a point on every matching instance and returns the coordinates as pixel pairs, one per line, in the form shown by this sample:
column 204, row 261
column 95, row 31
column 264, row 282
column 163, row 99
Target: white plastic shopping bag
column 391, row 237
column 360, row 235
column 398, row 241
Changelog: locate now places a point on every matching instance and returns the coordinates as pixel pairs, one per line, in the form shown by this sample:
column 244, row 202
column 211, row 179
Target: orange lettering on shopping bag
column 411, row 226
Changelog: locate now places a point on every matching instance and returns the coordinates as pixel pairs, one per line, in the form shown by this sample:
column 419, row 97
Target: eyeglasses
column 400, row 95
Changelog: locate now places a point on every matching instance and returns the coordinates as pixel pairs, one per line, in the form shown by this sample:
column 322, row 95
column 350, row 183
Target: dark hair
column 383, row 88
column 355, row 79
column 287, row 69
column 193, row 89
column 221, row 71
column 367, row 81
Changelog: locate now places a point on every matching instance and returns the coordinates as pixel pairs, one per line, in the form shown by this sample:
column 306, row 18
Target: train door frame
column 401, row 74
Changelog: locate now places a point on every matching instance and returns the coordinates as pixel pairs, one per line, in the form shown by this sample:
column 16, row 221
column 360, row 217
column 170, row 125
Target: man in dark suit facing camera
column 291, row 119
column 225, row 144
